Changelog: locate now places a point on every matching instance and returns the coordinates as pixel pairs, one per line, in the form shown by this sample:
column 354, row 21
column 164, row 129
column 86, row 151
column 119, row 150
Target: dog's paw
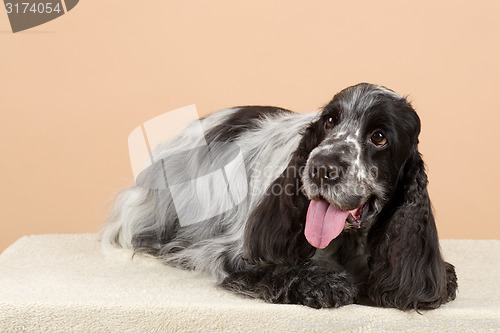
column 319, row 288
column 451, row 282
column 304, row 284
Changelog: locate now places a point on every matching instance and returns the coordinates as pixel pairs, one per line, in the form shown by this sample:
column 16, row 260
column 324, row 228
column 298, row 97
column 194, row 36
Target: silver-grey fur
column 266, row 152
column 257, row 248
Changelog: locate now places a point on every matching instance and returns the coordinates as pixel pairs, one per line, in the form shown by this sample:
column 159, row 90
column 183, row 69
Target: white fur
column 264, row 154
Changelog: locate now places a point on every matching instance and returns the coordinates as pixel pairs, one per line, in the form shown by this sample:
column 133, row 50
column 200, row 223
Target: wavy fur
column 258, row 248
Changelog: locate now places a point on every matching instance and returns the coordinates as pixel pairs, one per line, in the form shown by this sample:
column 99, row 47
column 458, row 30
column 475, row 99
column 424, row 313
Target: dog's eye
column 329, row 123
column 378, row 139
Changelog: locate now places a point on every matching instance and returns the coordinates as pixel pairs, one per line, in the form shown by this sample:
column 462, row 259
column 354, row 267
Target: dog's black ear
column 406, row 267
column 275, row 230
column 274, row 233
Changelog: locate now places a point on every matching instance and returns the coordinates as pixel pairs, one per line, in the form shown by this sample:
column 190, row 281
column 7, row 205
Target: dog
column 333, row 207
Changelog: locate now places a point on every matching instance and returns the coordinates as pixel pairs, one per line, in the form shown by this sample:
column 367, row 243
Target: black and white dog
column 331, row 207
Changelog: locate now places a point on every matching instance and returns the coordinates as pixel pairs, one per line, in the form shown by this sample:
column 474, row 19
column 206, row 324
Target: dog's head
column 360, row 168
column 368, row 135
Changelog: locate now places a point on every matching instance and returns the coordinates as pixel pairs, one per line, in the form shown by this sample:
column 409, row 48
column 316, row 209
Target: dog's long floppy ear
column 274, row 233
column 406, row 267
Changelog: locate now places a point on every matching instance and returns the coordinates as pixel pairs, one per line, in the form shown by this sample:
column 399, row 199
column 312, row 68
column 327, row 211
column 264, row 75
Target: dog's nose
column 324, row 171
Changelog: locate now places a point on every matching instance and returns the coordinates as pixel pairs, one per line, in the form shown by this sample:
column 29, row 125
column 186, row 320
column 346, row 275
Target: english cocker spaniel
column 319, row 209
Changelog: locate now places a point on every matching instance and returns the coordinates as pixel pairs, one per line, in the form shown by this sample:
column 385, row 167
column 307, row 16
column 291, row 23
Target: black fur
column 275, row 230
column 405, row 269
column 304, row 283
column 243, row 120
column 390, row 258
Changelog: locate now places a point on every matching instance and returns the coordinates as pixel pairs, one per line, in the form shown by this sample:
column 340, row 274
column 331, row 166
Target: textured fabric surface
column 51, row 283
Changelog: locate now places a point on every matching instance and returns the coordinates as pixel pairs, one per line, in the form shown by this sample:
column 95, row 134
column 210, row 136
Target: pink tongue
column 324, row 223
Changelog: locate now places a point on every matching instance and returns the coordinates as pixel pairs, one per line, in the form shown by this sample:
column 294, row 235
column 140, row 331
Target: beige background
column 73, row 89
